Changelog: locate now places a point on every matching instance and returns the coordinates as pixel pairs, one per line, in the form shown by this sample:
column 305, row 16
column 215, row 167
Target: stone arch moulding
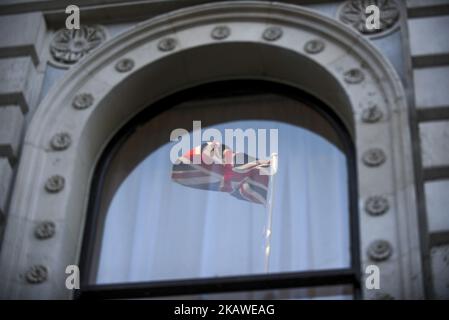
column 271, row 41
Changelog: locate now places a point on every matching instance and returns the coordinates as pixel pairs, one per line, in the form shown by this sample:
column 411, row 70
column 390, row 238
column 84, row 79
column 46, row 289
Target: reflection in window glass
column 156, row 229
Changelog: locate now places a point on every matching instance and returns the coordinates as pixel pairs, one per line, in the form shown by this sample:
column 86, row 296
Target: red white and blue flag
column 218, row 168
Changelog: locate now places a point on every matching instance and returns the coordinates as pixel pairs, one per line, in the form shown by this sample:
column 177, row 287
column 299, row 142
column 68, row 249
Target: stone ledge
column 433, row 114
column 436, row 173
column 424, row 8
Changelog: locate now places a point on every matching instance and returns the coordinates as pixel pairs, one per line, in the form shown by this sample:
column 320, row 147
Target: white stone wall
column 21, row 74
column 23, row 65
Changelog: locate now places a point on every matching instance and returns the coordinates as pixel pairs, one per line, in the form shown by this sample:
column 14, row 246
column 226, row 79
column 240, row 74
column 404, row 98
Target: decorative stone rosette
column 83, row 101
column 272, row 33
column 314, row 46
column 55, row 184
column 376, row 205
column 373, row 157
column 220, row 32
column 352, row 12
column 372, row 114
column 124, row 65
column 69, row 46
column 45, row 230
column 61, row 141
column 379, row 250
column 167, row 44
column 36, row 274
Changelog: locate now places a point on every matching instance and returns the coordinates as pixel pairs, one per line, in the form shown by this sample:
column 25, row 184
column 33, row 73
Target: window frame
column 284, row 280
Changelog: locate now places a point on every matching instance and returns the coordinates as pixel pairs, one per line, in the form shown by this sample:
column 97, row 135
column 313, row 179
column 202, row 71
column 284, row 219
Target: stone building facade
column 63, row 94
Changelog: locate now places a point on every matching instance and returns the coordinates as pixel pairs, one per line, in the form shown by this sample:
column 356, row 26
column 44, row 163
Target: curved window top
column 151, row 228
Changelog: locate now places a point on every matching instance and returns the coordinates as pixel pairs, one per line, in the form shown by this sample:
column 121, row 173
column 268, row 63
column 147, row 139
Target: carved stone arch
column 271, row 41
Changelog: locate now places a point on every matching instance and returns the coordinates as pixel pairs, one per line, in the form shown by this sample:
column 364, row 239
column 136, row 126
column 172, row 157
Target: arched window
column 149, row 235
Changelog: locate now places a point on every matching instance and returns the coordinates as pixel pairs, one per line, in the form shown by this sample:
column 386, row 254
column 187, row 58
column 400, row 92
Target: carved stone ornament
column 379, row 250
column 36, row 274
column 372, row 114
column 167, row 44
column 55, row 184
column 373, row 157
column 272, row 33
column 314, row 46
column 83, row 101
column 220, row 32
column 352, row 12
column 45, row 230
column 61, row 141
column 376, row 205
column 124, row 65
column 69, row 46
column 354, row 76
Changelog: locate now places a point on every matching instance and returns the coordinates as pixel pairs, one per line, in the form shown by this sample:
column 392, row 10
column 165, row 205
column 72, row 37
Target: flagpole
column 268, row 230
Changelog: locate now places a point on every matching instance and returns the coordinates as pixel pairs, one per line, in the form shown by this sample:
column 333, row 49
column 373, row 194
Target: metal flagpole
column 273, row 170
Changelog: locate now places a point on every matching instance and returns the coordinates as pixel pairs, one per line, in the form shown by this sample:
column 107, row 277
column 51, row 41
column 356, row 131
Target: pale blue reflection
column 156, row 229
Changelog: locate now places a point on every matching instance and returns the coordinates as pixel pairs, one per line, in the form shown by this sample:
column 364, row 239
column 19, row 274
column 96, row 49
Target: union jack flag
column 218, row 168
